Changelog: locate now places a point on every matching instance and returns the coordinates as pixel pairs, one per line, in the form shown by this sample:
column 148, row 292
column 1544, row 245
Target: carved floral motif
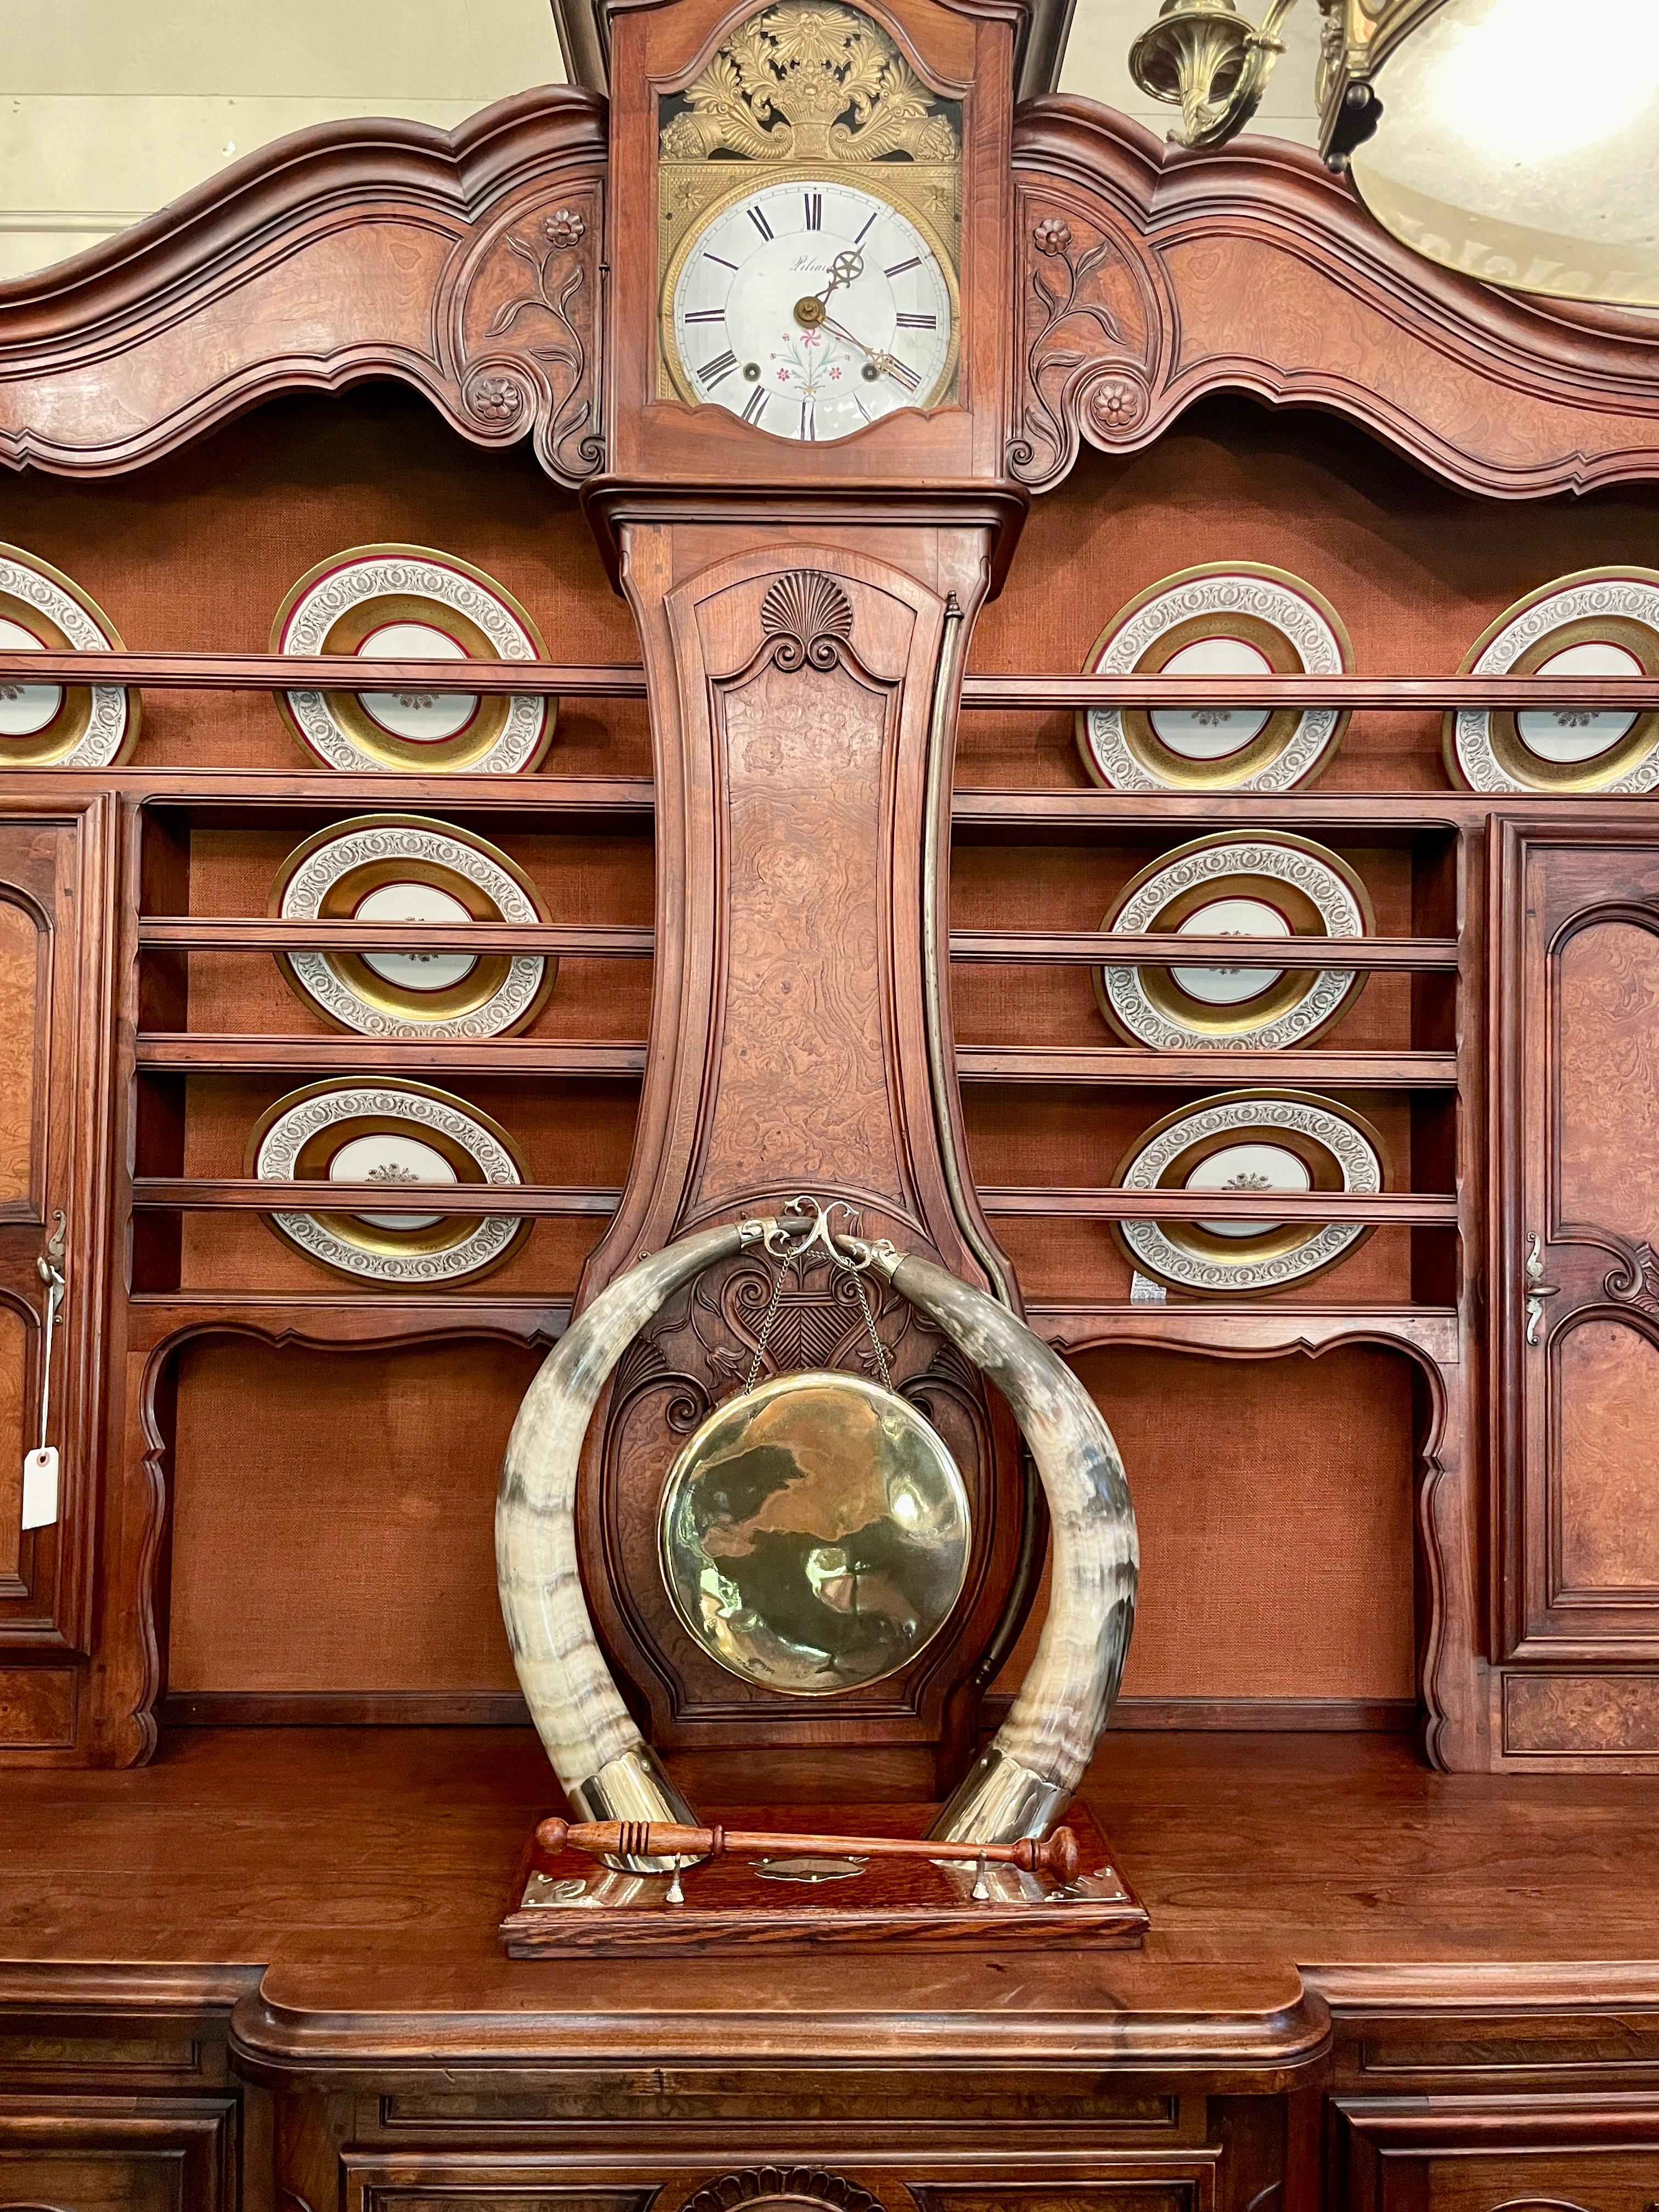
column 531, row 336
column 1083, row 335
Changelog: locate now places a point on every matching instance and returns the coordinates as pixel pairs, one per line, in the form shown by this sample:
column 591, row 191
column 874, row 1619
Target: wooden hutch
column 1383, row 1768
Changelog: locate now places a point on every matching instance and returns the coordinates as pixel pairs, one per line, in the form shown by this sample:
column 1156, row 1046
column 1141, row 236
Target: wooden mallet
column 1056, row 1855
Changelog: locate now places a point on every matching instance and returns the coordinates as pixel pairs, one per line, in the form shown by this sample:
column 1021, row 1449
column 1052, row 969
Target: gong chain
column 772, row 1315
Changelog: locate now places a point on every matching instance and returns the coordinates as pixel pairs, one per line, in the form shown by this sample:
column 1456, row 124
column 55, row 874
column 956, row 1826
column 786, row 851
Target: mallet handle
column 1056, row 1855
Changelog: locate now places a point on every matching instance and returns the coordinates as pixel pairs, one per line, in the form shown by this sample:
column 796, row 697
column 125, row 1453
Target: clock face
column 811, row 307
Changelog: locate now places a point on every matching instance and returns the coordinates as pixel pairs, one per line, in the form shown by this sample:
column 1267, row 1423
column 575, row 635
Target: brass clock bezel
column 942, row 391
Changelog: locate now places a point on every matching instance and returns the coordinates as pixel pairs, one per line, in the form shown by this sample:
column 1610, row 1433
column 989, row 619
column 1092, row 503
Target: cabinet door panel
column 1499, row 2157
column 52, row 1130
column 1577, row 1290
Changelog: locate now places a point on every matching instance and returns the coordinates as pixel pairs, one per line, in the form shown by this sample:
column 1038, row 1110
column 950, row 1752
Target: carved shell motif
column 793, row 2186
column 811, row 618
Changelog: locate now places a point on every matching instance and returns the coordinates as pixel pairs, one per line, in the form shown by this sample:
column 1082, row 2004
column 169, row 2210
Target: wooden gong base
column 568, row 1906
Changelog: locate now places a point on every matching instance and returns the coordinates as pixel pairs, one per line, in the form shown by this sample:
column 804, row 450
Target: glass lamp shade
column 1518, row 140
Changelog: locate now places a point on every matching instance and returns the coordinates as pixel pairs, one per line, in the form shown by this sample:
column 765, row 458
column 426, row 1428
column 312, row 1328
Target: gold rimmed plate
column 1245, row 885
column 408, row 602
column 53, row 725
column 400, row 1135
column 1231, row 619
column 406, row 868
column 1245, row 1141
column 1599, row 622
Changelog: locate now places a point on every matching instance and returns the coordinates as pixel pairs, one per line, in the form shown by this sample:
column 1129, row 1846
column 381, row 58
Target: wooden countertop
column 343, row 1889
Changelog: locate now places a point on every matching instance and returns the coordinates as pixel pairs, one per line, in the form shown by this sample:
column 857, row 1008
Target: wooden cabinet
column 1581, row 2155
column 1576, row 1284
column 51, row 1118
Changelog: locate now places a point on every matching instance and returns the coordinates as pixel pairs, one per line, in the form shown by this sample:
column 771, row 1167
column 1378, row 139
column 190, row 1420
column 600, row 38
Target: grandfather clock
column 806, row 375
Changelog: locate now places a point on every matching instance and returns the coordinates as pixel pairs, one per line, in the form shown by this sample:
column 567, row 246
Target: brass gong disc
column 815, row 1534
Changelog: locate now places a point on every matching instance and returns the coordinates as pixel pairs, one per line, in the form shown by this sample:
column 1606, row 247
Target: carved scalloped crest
column 810, row 615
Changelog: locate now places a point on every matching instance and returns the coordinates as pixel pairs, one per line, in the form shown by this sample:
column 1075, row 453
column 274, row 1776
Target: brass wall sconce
column 1511, row 140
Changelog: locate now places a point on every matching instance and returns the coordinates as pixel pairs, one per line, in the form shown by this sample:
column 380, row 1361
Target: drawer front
column 1562, row 2156
column 85, row 2157
column 528, row 2181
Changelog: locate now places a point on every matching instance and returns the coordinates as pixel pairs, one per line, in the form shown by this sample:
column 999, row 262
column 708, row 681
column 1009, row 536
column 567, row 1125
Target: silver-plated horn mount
column 607, row 1770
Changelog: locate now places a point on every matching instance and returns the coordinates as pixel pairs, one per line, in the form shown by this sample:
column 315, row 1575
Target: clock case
column 962, row 54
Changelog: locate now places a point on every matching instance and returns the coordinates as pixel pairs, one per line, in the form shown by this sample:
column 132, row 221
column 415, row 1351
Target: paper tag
column 41, row 1488
column 1143, row 1291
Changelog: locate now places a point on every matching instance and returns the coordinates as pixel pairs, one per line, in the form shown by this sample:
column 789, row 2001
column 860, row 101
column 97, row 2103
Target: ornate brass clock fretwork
column 804, row 84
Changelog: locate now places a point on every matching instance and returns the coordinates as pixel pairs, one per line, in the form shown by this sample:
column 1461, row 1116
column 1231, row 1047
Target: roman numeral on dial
column 903, row 373
column 756, row 407
column 899, row 267
column 760, row 222
column 705, row 315
column 809, row 428
column 714, row 372
column 904, row 322
column 814, row 201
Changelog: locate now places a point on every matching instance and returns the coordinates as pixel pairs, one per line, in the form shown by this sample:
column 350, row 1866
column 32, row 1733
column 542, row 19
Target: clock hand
column 846, row 269
column 882, row 363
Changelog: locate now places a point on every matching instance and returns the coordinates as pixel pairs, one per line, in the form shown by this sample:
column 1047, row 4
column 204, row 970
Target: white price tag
column 41, row 1488
column 1143, row 1291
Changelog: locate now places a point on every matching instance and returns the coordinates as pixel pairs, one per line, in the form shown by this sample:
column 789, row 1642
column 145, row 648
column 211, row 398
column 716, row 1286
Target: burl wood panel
column 801, row 1080
column 17, row 1341
column 1582, row 1716
column 1608, row 1136
column 332, row 1522
column 1606, row 1379
column 1274, row 1500
column 37, row 1708
column 22, row 1096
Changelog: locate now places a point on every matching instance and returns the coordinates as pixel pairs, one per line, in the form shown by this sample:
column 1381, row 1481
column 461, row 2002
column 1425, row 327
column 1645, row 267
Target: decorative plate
column 814, row 1533
column 52, row 724
column 1243, row 885
column 402, row 867
column 1602, row 621
column 1234, row 619
column 404, row 603
column 1265, row 1141
column 396, row 1134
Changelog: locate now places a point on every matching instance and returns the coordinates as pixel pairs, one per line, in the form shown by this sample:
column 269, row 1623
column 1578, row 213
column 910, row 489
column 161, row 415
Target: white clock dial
column 811, row 307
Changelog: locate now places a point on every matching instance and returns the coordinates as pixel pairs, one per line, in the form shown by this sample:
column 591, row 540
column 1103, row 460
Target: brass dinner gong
column 815, row 1534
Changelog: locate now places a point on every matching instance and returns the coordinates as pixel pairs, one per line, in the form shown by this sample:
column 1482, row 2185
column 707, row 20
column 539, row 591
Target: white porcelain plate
column 1243, row 885
column 1291, row 1141
column 398, row 1134
column 406, row 868
column 1237, row 618
column 52, row 724
column 406, row 603
column 1602, row 621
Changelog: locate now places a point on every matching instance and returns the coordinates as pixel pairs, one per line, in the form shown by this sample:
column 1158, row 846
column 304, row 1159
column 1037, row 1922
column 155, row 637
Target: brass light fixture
column 1512, row 140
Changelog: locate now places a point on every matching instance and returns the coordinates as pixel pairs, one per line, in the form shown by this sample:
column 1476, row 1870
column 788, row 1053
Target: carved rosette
column 1091, row 315
column 526, row 329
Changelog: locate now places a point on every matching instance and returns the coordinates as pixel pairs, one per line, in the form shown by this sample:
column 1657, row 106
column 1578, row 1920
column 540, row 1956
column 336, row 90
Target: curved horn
column 1039, row 1754
column 605, row 1768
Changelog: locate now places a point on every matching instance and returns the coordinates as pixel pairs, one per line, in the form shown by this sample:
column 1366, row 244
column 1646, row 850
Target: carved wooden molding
column 464, row 262
column 1149, row 278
